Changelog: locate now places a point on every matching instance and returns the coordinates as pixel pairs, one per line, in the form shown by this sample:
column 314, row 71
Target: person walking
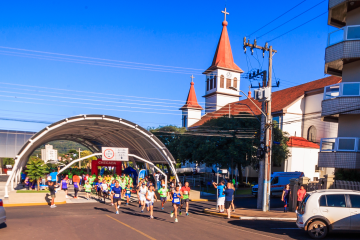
column 300, row 197
column 233, row 197
column 52, row 187
column 221, row 197
column 76, row 189
column 64, row 185
column 228, row 195
column 285, row 196
column 88, row 188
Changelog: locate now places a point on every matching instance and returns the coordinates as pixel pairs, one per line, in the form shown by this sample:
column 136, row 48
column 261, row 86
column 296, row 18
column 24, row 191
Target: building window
column 215, row 82
column 276, row 120
column 312, row 134
column 207, row 85
column 228, row 83
column 222, row 81
column 235, row 83
column 211, row 83
column 184, row 121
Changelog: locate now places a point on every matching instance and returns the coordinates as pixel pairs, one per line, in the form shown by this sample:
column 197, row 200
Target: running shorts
column 128, row 195
column 177, row 204
column 163, row 199
column 105, row 192
column 88, row 191
column 227, row 204
column 148, row 204
column 221, row 201
column 116, row 200
column 184, row 200
column 142, row 198
column 65, row 189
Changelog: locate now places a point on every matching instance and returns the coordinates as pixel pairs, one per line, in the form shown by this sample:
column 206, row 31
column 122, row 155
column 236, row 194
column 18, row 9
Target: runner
column 128, row 194
column 111, row 187
column 87, row 190
column 163, row 195
column 104, row 189
column 76, row 189
column 64, row 185
column 98, row 189
column 150, row 195
column 186, row 193
column 122, row 185
column 116, row 192
column 141, row 196
column 176, row 196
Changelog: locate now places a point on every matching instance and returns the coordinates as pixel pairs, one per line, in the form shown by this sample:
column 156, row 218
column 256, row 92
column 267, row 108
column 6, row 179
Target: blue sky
column 178, row 34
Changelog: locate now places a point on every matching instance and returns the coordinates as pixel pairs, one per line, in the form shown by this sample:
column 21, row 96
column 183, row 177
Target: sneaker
column 162, row 208
column 187, row 214
column 127, row 204
column 117, row 212
column 176, row 220
column 112, row 204
column 172, row 215
column 296, row 211
column 142, row 211
column 152, row 217
column 180, row 213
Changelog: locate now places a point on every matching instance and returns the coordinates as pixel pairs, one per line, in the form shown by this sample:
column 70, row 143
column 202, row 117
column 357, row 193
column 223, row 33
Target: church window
column 184, row 121
column 207, row 85
column 235, row 83
column 215, row 82
column 211, row 83
column 312, row 134
column 222, row 81
column 228, row 83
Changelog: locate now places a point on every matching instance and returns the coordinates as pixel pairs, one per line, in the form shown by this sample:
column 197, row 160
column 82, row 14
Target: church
column 297, row 110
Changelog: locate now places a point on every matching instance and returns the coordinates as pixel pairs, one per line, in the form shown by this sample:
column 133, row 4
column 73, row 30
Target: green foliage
column 63, row 147
column 36, row 169
column 8, row 161
column 280, row 152
column 347, row 175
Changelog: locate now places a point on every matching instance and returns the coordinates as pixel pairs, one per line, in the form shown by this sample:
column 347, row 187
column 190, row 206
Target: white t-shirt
column 104, row 186
column 157, row 177
column 143, row 190
column 150, row 195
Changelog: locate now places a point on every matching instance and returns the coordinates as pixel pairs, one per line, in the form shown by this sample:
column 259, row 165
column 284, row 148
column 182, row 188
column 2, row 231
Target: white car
column 2, row 213
column 324, row 211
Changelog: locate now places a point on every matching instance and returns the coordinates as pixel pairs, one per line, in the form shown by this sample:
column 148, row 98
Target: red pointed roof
column 191, row 101
column 301, row 143
column 223, row 58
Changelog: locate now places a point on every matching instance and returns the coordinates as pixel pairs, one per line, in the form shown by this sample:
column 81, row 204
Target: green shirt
column 122, row 184
column 88, row 188
column 163, row 192
column 70, row 175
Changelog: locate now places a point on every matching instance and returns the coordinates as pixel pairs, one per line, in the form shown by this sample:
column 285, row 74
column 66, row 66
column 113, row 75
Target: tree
column 36, row 169
column 87, row 162
column 8, row 161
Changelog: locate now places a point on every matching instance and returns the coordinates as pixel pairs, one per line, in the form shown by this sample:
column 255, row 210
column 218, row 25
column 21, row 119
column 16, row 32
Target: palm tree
column 36, row 169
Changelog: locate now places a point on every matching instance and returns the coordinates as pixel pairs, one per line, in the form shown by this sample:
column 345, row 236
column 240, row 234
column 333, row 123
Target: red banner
column 101, row 163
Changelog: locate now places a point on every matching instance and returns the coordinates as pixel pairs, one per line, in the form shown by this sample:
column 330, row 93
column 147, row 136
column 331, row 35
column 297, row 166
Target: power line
column 298, row 26
column 291, row 19
column 278, row 17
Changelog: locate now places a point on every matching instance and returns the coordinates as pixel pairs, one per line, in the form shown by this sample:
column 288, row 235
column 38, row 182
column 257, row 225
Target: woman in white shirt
column 150, row 195
column 141, row 196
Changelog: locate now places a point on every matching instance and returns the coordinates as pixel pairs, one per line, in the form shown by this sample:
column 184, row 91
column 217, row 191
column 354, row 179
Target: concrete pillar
column 294, row 186
column 328, row 181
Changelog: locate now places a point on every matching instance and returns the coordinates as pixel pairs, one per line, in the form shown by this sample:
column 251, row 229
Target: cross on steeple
column 225, row 13
column 192, row 78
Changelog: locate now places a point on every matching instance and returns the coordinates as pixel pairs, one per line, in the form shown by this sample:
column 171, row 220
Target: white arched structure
column 95, row 131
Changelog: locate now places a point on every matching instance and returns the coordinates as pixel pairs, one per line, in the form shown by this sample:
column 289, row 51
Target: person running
column 116, row 192
column 64, row 185
column 176, row 196
column 52, row 187
column 141, row 196
column 186, row 193
column 98, row 189
column 228, row 194
column 128, row 194
column 104, row 189
column 163, row 195
column 150, row 195
column 221, row 197
column 87, row 189
column 112, row 185
column 285, row 196
column 76, row 189
column 123, row 186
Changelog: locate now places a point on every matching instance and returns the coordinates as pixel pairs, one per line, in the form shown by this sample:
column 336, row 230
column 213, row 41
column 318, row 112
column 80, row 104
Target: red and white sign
column 115, row 154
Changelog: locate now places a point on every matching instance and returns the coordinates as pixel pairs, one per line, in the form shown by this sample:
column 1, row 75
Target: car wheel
column 317, row 229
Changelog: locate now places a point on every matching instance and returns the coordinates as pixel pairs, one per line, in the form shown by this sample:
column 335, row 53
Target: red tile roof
column 301, row 142
column 191, row 101
column 280, row 100
column 223, row 56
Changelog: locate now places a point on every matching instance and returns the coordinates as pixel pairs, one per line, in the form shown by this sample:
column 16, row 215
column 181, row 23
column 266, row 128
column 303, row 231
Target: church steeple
column 191, row 101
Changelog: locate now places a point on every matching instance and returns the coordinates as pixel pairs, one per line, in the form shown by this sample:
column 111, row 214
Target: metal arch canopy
column 94, row 131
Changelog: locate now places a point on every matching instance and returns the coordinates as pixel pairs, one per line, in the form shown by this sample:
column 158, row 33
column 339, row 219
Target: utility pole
column 266, row 123
column 79, row 157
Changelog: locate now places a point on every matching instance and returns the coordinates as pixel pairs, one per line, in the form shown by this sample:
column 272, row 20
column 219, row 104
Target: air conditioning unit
column 262, row 94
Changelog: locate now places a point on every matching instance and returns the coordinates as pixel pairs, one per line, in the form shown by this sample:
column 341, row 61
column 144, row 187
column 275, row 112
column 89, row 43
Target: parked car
column 279, row 181
column 330, row 210
column 2, row 213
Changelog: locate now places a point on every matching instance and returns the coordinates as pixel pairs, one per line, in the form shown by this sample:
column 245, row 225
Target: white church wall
column 193, row 116
column 313, row 103
column 303, row 160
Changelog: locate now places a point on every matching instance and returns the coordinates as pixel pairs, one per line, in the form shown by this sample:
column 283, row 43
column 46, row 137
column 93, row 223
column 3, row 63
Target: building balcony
column 341, row 152
column 341, row 98
column 338, row 10
column 343, row 47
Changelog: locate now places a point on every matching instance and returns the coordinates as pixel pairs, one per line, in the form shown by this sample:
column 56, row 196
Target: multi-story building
column 49, row 153
column 341, row 101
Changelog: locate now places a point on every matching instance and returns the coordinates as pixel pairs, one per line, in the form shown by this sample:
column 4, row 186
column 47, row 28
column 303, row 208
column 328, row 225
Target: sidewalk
column 256, row 214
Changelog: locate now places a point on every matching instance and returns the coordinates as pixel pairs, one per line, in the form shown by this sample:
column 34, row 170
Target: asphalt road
column 99, row 221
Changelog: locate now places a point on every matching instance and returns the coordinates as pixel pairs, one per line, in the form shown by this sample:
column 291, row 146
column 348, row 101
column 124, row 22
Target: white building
column 49, row 153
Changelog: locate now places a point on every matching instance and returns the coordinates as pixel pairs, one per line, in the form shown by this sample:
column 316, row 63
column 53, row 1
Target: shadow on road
column 3, row 225
column 103, row 209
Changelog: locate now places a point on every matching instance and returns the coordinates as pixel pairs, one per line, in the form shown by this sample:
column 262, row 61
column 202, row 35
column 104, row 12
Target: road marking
column 132, row 228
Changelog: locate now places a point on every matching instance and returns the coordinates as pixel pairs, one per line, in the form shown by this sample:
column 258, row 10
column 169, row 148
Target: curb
column 30, row 204
column 206, row 210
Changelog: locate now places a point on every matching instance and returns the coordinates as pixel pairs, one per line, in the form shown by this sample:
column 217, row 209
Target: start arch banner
column 115, row 154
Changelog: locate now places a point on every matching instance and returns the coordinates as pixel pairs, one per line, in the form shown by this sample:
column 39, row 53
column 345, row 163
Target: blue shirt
column 117, row 191
column 53, row 176
column 76, row 185
column 221, row 189
column 98, row 186
column 112, row 186
column 228, row 194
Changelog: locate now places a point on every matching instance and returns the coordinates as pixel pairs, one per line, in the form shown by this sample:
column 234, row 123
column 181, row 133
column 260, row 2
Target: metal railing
column 340, row 144
column 347, row 33
column 344, row 89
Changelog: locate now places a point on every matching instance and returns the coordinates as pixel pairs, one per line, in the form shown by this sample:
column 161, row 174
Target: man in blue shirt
column 221, row 197
column 53, row 176
column 228, row 194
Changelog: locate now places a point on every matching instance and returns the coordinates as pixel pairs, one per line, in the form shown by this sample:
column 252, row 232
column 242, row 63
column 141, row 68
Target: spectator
column 221, row 197
column 228, row 194
column 285, row 196
column 300, row 196
column 157, row 180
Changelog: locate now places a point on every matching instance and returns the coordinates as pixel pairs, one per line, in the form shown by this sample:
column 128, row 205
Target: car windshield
column 303, row 204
